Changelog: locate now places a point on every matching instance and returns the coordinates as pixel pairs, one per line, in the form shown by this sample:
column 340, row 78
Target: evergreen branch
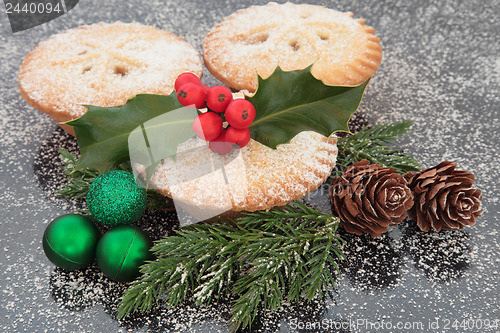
column 79, row 182
column 374, row 144
column 157, row 201
column 259, row 259
column 294, row 262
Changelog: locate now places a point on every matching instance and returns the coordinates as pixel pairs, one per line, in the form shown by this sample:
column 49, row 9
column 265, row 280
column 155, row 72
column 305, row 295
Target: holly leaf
column 103, row 132
column 287, row 103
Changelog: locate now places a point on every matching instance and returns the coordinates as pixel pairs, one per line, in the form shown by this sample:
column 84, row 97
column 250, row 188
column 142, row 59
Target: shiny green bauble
column 114, row 198
column 70, row 241
column 121, row 251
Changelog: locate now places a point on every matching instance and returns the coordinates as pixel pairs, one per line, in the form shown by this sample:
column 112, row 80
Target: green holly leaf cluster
column 286, row 103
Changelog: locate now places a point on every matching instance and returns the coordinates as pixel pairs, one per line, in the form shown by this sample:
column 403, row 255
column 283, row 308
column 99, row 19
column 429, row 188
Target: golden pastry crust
column 343, row 50
column 103, row 64
column 259, row 178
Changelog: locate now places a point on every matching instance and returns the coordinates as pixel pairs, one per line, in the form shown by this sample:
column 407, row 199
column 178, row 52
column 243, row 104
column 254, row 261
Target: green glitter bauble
column 121, row 251
column 115, row 198
column 70, row 241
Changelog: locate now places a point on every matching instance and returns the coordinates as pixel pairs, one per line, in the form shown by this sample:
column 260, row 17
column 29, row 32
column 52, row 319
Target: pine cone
column 444, row 198
column 370, row 198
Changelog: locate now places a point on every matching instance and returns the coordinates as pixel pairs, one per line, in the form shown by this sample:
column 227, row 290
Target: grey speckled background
column 441, row 68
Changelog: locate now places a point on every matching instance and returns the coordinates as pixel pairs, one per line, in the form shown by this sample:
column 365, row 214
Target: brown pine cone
column 444, row 198
column 369, row 198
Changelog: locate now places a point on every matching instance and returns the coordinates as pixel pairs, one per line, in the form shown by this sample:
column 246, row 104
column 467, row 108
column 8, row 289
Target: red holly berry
column 240, row 113
column 218, row 98
column 186, row 78
column 208, row 126
column 238, row 137
column 206, row 89
column 220, row 145
column 190, row 93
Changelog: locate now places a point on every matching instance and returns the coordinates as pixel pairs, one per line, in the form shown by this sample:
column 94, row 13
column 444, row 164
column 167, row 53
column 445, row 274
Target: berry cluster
column 209, row 126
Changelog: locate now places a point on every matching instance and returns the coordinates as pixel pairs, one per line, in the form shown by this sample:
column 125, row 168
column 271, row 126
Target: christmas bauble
column 121, row 251
column 69, row 241
column 115, row 198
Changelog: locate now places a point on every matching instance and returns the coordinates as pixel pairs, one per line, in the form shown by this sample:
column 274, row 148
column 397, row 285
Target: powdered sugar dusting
column 103, row 65
column 343, row 50
column 259, row 177
column 440, row 69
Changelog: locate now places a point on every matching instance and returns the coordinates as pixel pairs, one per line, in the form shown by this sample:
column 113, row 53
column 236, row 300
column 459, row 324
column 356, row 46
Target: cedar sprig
column 79, row 180
column 375, row 145
column 258, row 260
